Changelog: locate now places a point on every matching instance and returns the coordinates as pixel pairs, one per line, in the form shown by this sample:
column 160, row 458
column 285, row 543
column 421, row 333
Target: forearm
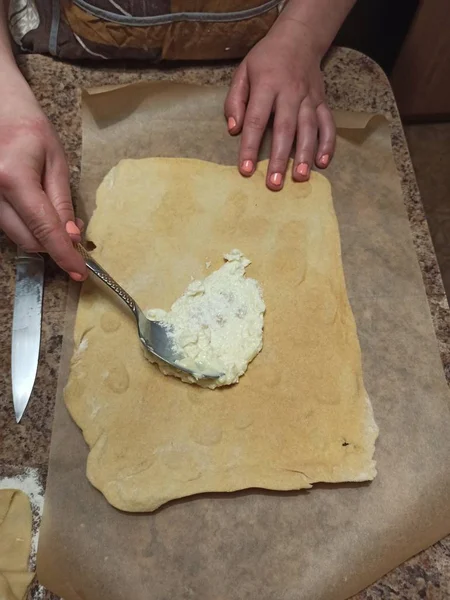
column 8, row 66
column 12, row 81
column 320, row 18
column 6, row 54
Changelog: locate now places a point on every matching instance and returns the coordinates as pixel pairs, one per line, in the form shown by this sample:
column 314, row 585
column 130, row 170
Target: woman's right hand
column 36, row 209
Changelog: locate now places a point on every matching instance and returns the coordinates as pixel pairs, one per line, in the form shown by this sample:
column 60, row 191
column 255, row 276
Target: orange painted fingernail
column 302, row 169
column 325, row 159
column 231, row 123
column 276, row 178
column 72, row 229
column 247, row 166
column 76, row 276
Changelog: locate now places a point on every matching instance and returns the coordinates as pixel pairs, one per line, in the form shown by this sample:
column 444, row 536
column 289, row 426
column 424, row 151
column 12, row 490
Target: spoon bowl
column 154, row 335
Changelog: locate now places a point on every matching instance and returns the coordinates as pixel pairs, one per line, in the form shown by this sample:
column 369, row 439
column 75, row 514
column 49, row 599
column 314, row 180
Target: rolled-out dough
column 15, row 544
column 300, row 415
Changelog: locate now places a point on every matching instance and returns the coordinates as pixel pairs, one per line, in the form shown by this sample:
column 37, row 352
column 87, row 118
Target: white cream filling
column 217, row 324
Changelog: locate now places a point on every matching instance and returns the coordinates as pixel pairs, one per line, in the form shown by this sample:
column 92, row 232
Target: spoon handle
column 98, row 270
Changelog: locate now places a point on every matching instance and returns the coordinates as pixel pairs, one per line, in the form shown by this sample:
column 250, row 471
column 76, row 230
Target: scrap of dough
column 15, row 544
column 301, row 413
column 216, row 325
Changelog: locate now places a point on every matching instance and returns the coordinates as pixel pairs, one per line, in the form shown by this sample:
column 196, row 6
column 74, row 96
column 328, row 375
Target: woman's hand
column 281, row 74
column 36, row 209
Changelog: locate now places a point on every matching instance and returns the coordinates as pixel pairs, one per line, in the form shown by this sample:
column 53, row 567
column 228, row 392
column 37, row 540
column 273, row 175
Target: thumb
column 236, row 100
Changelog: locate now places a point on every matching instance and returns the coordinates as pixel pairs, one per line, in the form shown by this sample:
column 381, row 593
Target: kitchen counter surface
column 354, row 82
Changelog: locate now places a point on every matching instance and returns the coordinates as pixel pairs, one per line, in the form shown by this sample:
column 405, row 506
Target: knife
column 26, row 332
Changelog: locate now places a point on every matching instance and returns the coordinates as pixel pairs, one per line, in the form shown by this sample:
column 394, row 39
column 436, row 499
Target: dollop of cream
column 217, row 324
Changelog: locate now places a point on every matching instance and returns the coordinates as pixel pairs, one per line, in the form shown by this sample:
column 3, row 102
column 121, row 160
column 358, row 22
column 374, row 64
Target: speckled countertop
column 354, row 82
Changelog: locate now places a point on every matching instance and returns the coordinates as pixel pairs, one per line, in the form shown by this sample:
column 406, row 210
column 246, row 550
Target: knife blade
column 26, row 331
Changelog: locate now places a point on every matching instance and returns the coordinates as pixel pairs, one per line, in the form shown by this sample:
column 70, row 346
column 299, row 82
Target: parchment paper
column 319, row 545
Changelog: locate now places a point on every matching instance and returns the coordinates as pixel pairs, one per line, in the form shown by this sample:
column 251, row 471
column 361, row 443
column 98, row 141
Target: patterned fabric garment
column 144, row 29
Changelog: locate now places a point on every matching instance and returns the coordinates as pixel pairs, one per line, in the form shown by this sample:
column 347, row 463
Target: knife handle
column 21, row 255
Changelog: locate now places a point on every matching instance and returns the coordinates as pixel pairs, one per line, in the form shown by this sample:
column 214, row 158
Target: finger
column 285, row 125
column 236, row 100
column 80, row 224
column 16, row 230
column 40, row 216
column 57, row 188
column 327, row 136
column 306, row 141
column 255, row 122
column 56, row 184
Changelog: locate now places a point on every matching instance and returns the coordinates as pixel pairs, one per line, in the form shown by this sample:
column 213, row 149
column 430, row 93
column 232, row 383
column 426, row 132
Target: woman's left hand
column 281, row 74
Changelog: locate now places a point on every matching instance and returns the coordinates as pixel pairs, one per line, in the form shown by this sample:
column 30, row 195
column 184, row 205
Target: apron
column 153, row 30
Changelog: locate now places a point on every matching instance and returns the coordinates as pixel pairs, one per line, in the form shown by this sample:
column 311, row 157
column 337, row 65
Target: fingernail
column 247, row 166
column 72, row 229
column 302, row 169
column 275, row 179
column 325, row 159
column 231, row 123
column 76, row 276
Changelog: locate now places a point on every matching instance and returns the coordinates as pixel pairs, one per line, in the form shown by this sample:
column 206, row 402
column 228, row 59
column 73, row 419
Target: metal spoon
column 153, row 334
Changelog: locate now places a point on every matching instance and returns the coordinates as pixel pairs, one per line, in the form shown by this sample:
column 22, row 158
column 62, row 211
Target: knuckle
column 316, row 98
column 298, row 89
column 278, row 164
column 307, row 122
column 286, row 128
column 324, row 108
column 42, row 229
column 249, row 149
column 6, row 178
column 62, row 202
column 238, row 74
column 20, row 134
column 305, row 147
column 255, row 122
column 306, row 151
column 37, row 127
column 58, row 165
column 270, row 81
column 61, row 166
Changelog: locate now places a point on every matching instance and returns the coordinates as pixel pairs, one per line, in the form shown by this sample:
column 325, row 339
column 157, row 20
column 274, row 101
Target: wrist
column 295, row 30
